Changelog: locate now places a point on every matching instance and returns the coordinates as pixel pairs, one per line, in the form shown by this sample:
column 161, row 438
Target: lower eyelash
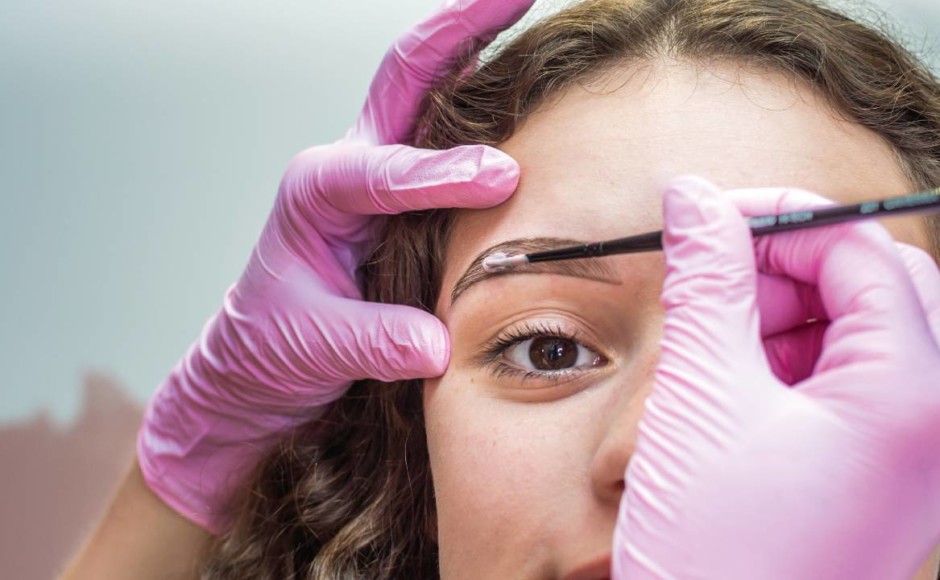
column 501, row 370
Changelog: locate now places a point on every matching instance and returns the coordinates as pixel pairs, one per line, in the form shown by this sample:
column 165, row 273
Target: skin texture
column 528, row 473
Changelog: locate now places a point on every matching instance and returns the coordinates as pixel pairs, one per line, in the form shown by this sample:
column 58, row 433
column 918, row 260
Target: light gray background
column 141, row 145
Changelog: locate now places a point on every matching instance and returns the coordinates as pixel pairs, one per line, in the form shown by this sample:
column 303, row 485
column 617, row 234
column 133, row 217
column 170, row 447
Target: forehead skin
column 594, row 160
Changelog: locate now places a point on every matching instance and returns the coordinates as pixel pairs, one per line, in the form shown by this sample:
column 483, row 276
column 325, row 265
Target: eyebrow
column 590, row 269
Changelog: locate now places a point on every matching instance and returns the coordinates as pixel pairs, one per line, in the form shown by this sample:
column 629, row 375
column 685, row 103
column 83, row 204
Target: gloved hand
column 293, row 332
column 735, row 475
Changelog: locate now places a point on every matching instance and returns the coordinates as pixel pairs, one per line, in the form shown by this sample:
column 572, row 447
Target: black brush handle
column 924, row 201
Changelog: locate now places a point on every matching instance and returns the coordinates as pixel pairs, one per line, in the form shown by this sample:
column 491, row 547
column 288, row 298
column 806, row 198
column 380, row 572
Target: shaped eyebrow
column 590, row 268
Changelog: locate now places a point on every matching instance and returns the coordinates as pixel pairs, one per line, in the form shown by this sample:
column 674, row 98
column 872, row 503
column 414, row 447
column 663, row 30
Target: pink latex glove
column 293, row 332
column 735, row 475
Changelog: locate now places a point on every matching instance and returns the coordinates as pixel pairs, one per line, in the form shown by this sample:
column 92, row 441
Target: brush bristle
column 500, row 262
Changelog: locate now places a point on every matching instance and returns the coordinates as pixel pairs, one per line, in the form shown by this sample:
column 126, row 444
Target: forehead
column 595, row 158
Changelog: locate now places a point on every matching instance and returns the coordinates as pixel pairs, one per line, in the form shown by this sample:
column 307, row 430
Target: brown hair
column 350, row 495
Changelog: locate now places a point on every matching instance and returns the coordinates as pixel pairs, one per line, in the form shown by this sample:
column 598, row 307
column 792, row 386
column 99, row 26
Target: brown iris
column 552, row 353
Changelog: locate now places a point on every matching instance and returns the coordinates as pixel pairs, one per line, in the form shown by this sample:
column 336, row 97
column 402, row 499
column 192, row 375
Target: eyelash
column 497, row 347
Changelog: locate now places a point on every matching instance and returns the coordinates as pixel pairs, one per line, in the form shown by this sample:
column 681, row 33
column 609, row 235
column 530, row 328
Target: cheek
column 503, row 471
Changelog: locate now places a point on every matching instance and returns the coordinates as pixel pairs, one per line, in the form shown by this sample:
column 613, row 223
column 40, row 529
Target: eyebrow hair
column 590, row 269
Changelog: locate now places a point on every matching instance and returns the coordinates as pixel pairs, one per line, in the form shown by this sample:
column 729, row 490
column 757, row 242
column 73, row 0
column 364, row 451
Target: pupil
column 553, row 353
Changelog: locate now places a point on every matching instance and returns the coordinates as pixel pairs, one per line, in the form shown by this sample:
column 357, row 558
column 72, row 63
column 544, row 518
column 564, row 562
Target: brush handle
column 641, row 243
column 925, row 201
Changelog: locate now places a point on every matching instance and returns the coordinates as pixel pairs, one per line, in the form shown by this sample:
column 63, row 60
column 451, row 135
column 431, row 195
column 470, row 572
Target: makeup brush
column 925, row 201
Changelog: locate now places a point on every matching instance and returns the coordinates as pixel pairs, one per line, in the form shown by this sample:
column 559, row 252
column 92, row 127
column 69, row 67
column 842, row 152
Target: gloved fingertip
column 497, row 172
column 405, row 347
column 437, row 349
column 474, row 177
column 707, row 246
column 426, row 351
column 685, row 201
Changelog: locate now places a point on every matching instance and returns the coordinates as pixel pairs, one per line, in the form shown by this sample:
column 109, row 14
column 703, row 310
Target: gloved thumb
column 389, row 342
column 710, row 369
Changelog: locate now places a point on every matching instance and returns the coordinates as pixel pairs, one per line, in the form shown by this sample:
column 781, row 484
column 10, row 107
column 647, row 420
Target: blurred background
column 141, row 145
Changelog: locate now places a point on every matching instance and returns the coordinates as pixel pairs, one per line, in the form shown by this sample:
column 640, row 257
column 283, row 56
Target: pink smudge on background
column 55, row 482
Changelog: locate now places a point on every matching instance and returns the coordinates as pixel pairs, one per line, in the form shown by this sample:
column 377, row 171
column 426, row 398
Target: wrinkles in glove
column 293, row 332
column 737, row 474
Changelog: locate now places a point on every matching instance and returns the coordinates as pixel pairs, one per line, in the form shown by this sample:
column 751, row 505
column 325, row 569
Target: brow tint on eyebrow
column 590, row 268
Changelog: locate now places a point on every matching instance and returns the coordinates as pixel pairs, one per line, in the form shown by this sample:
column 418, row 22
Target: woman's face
column 531, row 428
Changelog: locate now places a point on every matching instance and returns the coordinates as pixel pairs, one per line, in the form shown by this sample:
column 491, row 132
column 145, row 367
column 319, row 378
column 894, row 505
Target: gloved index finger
column 364, row 180
column 419, row 57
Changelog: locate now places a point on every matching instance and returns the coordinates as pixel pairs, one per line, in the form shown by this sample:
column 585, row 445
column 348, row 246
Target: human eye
column 540, row 351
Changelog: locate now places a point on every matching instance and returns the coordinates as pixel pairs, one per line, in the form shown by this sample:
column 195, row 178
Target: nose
column 619, row 439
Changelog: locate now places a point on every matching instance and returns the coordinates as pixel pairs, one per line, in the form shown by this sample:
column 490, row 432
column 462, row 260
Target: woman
column 593, row 103
column 530, row 430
